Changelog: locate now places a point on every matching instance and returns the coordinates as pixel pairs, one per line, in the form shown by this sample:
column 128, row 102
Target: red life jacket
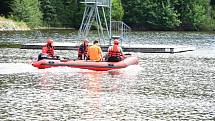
column 82, row 51
column 114, row 51
column 48, row 50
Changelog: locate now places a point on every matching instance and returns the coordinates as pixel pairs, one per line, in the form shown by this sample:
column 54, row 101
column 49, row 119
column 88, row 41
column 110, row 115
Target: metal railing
column 120, row 29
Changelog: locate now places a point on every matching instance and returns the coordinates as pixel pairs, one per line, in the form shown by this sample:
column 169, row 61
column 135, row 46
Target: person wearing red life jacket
column 47, row 51
column 82, row 50
column 115, row 52
column 48, row 48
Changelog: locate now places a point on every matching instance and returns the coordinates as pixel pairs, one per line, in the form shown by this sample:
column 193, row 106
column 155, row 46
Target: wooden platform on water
column 126, row 48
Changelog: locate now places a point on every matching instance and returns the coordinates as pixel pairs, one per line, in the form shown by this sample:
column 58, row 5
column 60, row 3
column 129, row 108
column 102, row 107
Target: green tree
column 27, row 11
column 48, row 11
column 77, row 14
column 196, row 14
column 166, row 16
column 117, row 10
column 69, row 12
column 134, row 11
column 213, row 12
column 58, row 8
column 147, row 14
column 152, row 14
column 58, row 13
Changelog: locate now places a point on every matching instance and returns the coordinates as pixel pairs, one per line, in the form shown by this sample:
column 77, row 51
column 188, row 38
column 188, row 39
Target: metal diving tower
column 98, row 13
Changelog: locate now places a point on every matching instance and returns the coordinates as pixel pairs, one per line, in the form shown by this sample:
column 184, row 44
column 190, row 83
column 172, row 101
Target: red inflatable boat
column 83, row 64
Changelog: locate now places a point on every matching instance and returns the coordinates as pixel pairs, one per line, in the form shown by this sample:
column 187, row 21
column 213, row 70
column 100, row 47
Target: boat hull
column 91, row 65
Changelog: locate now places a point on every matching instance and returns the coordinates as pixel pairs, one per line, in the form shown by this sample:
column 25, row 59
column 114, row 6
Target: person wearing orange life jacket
column 48, row 48
column 82, row 50
column 115, row 52
column 95, row 52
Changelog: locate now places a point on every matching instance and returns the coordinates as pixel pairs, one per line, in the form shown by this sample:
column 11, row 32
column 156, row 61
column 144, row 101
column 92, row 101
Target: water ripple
column 162, row 87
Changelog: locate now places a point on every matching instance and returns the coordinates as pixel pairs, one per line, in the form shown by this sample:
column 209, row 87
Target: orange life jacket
column 114, row 51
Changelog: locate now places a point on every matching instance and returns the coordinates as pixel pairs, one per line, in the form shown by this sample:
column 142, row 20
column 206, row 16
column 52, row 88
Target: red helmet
column 50, row 41
column 116, row 42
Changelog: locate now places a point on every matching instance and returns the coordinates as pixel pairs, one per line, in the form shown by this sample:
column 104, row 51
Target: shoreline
column 53, row 28
column 10, row 25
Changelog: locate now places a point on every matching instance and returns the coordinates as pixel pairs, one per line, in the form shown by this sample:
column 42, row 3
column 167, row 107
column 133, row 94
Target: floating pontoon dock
column 126, row 48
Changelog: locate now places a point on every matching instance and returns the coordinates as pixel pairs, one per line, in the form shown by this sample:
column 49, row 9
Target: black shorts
column 114, row 59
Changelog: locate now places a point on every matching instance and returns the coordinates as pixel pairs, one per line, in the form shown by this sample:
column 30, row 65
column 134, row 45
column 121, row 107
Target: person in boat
column 82, row 50
column 47, row 50
column 95, row 52
column 115, row 53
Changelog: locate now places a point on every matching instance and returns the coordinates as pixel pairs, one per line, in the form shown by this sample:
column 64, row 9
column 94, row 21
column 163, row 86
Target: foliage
column 151, row 14
column 147, row 14
column 166, row 18
column 57, row 13
column 27, row 11
column 5, row 7
column 197, row 14
column 48, row 12
column 117, row 10
column 77, row 15
column 169, row 14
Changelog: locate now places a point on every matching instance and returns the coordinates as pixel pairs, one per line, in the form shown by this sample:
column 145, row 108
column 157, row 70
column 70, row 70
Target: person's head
column 116, row 42
column 96, row 42
column 85, row 41
column 50, row 42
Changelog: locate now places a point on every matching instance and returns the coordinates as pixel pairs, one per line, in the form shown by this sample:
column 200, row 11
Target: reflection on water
column 58, row 93
column 162, row 87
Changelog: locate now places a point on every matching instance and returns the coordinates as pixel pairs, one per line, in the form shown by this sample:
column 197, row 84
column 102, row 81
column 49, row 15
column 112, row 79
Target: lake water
column 162, row 87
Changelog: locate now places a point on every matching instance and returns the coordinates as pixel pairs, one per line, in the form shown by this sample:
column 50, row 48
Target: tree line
column 139, row 14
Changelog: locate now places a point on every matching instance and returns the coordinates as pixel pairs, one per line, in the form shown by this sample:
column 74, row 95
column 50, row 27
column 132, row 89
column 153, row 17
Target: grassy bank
column 11, row 25
column 9, row 45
